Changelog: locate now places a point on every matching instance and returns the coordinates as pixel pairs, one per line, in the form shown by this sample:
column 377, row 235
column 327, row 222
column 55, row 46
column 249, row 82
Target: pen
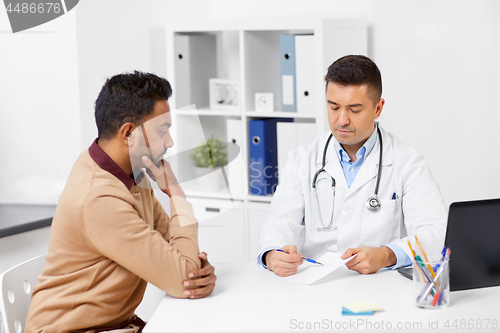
column 425, row 256
column 442, row 259
column 441, row 299
column 428, row 276
column 437, row 295
column 436, row 298
column 422, row 277
column 306, row 259
column 411, row 249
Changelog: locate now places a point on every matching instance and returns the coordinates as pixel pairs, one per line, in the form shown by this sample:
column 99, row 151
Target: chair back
column 16, row 287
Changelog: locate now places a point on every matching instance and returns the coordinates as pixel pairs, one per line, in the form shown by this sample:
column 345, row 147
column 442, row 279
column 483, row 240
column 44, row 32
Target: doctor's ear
column 378, row 107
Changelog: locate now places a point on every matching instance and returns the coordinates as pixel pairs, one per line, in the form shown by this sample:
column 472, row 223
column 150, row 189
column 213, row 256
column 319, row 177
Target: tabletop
column 251, row 299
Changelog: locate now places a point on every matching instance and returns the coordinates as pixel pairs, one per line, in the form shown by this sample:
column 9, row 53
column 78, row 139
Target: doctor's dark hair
column 128, row 98
column 356, row 70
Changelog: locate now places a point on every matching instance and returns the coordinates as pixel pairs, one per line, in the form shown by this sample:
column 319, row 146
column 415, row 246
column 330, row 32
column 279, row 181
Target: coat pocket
column 381, row 227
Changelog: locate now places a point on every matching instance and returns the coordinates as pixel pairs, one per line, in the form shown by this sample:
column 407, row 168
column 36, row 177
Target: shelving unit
column 249, row 52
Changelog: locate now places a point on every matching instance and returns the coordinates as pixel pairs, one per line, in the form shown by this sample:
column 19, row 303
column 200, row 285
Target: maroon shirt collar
column 106, row 163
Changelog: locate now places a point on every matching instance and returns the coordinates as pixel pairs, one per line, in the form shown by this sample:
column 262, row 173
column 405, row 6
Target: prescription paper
column 308, row 273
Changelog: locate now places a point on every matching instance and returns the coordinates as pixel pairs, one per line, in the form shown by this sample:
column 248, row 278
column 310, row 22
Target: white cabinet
column 247, row 52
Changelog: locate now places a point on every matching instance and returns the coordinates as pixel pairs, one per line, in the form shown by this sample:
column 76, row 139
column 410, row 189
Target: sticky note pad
column 347, row 312
column 362, row 306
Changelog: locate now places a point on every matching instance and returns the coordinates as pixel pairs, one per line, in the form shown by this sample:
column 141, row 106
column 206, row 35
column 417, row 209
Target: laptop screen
column 473, row 235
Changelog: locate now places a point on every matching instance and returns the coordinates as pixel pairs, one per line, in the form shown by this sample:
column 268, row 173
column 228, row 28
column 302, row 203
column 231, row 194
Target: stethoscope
column 372, row 204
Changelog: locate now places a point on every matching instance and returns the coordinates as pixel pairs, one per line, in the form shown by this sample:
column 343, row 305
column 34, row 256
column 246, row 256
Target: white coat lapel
column 332, row 165
column 368, row 170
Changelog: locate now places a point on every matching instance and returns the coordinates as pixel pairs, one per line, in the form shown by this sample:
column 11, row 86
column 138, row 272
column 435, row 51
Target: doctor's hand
column 163, row 175
column 284, row 263
column 368, row 260
column 201, row 283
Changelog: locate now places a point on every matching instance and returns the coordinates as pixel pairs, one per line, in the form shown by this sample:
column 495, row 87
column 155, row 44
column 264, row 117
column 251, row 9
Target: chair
column 16, row 286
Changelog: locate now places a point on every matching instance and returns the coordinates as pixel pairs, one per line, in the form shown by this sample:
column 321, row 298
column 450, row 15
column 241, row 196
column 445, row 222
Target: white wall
column 439, row 63
column 39, row 110
column 117, row 36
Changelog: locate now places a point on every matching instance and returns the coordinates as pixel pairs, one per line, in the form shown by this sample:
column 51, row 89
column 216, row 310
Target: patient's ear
column 127, row 134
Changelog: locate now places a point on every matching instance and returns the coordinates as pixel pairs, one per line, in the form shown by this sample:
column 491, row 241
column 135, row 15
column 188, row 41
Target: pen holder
column 431, row 282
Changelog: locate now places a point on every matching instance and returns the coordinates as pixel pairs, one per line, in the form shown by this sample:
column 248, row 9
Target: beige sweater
column 106, row 241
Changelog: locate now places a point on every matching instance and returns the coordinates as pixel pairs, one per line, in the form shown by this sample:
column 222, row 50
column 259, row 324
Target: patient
column 110, row 235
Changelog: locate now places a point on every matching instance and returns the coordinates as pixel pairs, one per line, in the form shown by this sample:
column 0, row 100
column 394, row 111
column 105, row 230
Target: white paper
column 309, row 273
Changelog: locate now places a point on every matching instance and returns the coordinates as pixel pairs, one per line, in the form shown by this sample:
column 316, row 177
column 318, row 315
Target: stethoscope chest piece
column 373, row 204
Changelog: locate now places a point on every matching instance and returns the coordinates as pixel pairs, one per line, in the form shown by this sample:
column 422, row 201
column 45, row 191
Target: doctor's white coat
column 418, row 209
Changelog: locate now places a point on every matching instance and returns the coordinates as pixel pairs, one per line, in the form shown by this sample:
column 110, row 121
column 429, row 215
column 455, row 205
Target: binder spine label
column 287, row 88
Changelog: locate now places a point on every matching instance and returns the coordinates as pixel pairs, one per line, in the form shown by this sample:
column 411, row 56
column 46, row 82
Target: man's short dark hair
column 128, row 98
column 356, row 70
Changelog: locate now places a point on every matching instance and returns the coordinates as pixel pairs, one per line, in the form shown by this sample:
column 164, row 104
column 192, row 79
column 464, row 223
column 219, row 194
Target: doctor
column 356, row 190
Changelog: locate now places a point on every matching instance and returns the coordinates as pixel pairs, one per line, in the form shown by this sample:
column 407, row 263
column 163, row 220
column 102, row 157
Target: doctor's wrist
column 266, row 259
column 391, row 258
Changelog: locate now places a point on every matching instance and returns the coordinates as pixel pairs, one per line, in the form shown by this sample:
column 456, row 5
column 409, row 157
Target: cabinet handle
column 209, row 209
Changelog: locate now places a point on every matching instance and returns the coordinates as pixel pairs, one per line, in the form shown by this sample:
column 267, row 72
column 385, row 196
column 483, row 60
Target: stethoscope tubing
column 372, row 204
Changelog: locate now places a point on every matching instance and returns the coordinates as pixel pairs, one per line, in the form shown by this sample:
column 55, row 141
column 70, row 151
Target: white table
column 251, row 299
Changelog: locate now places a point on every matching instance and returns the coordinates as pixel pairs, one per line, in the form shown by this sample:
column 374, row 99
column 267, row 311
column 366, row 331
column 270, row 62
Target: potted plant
column 206, row 157
column 210, row 154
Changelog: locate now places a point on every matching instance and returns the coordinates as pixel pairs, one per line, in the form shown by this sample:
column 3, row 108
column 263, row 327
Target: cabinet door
column 221, row 229
column 257, row 213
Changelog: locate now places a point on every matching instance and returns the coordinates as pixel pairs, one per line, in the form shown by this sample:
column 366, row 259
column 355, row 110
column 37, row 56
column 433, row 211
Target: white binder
column 290, row 136
column 287, row 68
column 182, row 71
column 195, row 63
column 235, row 167
column 304, row 69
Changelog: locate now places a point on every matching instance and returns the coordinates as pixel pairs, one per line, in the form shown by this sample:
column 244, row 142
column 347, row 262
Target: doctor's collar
column 368, row 145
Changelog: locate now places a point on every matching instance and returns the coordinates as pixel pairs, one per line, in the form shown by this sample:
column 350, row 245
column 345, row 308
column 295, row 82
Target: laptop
column 473, row 235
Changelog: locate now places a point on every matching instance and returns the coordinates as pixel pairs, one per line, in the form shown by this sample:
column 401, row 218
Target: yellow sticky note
column 363, row 306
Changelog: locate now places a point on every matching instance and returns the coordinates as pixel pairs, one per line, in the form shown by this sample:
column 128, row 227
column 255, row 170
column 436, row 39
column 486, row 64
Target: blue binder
column 263, row 155
column 288, row 75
